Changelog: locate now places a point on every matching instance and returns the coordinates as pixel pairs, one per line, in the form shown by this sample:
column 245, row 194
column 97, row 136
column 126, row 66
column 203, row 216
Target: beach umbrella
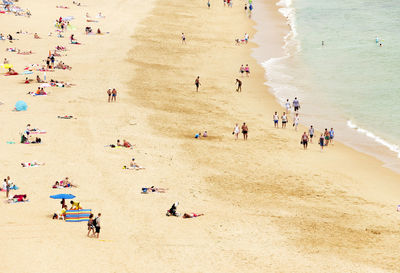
column 21, row 106
column 43, row 85
column 63, row 196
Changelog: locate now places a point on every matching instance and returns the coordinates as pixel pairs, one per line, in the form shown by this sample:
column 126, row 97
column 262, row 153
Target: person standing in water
column 197, row 83
column 245, row 131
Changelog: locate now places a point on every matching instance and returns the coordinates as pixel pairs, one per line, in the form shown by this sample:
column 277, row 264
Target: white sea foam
column 392, row 147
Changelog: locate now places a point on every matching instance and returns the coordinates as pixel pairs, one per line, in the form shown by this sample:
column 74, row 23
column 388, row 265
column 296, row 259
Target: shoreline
column 269, row 205
column 353, row 136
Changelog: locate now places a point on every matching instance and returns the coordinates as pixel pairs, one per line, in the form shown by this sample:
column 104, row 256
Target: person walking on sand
column 331, row 136
column 287, row 105
column 321, row 142
column 327, row 137
column 114, row 95
column 311, row 133
column 96, row 224
column 236, row 131
column 241, row 70
column 197, row 83
column 304, row 140
column 296, row 121
column 275, row 118
column 90, row 225
column 284, row 120
column 183, row 38
column 208, row 4
column 247, row 69
column 245, row 131
column 296, row 104
column 109, row 95
column 239, row 85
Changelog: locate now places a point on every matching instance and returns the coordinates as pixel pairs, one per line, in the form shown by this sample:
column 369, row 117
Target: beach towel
column 80, row 215
column 32, row 132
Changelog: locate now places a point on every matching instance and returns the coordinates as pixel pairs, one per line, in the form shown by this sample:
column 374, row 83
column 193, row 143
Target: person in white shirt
column 236, row 131
column 288, row 106
column 296, row 121
column 275, row 117
column 284, row 120
column 311, row 133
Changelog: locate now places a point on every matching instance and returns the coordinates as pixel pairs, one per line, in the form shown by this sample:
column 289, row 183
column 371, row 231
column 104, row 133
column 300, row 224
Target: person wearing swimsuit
column 197, row 83
column 114, row 95
column 245, row 131
column 109, row 95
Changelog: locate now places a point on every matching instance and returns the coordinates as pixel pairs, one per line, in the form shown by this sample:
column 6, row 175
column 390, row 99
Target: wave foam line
column 392, row 147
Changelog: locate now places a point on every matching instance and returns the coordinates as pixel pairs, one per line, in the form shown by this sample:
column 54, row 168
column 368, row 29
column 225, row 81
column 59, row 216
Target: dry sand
column 269, row 206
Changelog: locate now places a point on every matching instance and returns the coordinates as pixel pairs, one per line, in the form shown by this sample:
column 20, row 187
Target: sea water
column 351, row 80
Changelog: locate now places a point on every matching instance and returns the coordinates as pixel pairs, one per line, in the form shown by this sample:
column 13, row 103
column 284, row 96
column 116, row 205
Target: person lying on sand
column 24, row 52
column 191, row 215
column 27, row 81
column 153, row 189
column 19, row 198
column 31, row 164
column 38, row 79
column 66, row 183
column 125, row 144
column 36, row 36
column 63, row 66
column 65, row 117
column 133, row 166
column 11, row 72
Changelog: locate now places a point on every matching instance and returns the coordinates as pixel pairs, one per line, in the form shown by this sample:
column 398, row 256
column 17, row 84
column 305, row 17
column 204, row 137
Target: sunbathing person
column 27, row 80
column 57, row 186
column 134, row 166
column 11, row 72
column 36, row 36
column 18, row 198
column 153, row 189
column 127, row 144
column 32, row 164
column 192, row 215
column 39, row 80
column 66, row 183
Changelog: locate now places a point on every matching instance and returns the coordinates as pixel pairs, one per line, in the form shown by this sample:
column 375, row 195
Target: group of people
column 245, row 131
column 112, row 94
column 173, row 212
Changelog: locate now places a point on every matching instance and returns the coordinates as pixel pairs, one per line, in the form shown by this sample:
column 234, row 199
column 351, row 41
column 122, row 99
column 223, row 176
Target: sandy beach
column 269, row 205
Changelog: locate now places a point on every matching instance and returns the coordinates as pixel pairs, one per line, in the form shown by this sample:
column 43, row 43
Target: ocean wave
column 392, row 147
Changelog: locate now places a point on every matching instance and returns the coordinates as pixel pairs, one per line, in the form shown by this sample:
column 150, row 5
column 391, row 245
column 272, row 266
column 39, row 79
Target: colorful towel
column 80, row 215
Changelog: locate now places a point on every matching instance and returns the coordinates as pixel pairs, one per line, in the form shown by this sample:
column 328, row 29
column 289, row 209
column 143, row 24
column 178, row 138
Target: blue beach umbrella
column 21, row 106
column 63, row 196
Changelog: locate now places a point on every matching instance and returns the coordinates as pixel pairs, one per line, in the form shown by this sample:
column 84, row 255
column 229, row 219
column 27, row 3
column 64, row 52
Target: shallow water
column 350, row 83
